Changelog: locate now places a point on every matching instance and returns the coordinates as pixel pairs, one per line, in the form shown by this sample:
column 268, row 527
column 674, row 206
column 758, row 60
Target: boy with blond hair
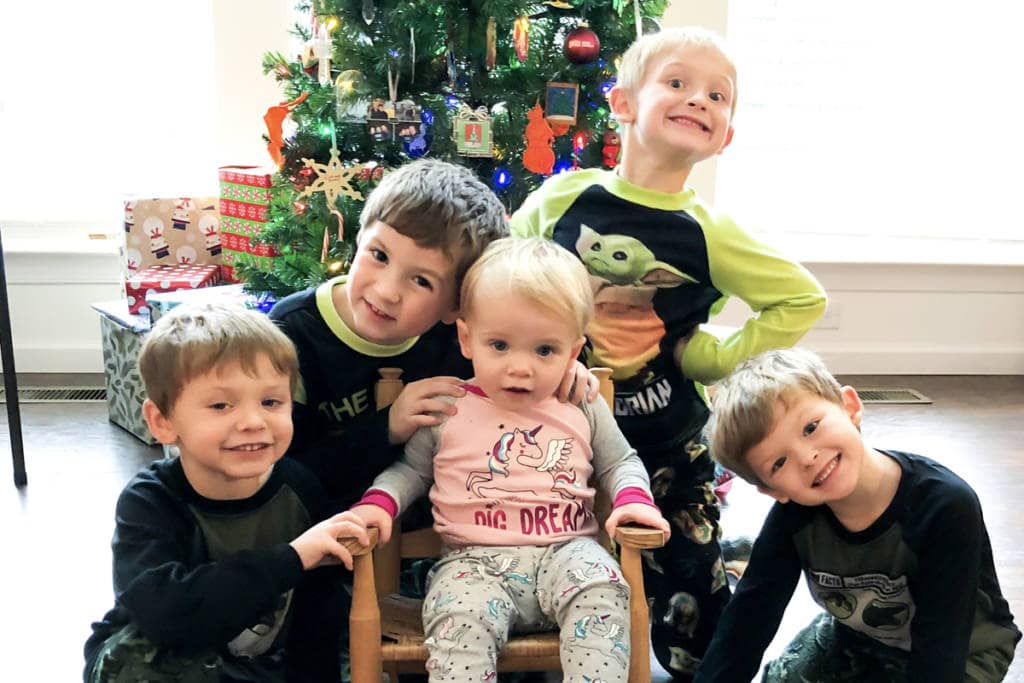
column 661, row 262
column 508, row 476
column 893, row 545
column 216, row 550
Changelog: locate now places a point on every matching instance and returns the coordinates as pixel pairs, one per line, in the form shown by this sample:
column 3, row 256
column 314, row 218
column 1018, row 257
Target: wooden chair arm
column 639, row 537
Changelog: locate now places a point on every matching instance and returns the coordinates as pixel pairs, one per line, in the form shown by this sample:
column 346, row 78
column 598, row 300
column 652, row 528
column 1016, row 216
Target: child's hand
column 319, row 544
column 639, row 513
column 375, row 516
column 576, row 377
column 419, row 406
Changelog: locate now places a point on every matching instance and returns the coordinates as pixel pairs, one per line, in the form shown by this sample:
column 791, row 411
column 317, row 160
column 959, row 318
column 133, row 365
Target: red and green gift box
column 245, row 193
column 167, row 279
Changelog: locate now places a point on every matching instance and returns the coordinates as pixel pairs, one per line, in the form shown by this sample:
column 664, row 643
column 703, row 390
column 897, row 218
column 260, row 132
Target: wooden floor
column 56, row 566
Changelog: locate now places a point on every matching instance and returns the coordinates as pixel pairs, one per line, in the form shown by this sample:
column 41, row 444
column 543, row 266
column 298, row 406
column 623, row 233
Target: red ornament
column 582, row 45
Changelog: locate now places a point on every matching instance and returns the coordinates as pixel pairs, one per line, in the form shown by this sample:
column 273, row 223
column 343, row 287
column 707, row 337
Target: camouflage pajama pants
column 686, row 578
column 827, row 652
column 129, row 657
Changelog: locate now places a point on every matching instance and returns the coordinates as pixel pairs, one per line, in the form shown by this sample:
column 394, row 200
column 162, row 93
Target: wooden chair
column 386, row 629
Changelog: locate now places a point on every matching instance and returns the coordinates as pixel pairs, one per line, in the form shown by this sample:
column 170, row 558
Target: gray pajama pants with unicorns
column 478, row 595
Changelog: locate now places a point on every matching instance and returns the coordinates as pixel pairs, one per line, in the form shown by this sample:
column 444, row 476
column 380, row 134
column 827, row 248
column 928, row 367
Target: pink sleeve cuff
column 633, row 494
column 381, row 499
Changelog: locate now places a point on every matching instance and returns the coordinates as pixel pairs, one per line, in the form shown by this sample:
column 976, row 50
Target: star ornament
column 333, row 179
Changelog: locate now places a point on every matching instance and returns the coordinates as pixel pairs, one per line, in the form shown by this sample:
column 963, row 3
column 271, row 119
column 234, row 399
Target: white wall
column 910, row 315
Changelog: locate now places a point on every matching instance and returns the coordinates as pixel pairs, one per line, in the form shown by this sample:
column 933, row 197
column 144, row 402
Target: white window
column 103, row 100
column 877, row 118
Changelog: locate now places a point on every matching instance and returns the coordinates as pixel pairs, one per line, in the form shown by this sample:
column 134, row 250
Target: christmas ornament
column 369, row 11
column 521, row 37
column 322, row 46
column 371, row 171
column 332, row 179
column 610, row 150
column 560, row 102
column 650, row 25
column 538, row 156
column 274, row 119
column 579, row 141
column 350, row 97
column 492, row 44
column 472, row 131
column 559, row 4
column 582, row 45
column 377, row 120
column 407, row 122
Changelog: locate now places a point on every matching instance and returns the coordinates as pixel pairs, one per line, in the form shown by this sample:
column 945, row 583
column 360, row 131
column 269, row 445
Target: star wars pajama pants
column 478, row 595
column 686, row 578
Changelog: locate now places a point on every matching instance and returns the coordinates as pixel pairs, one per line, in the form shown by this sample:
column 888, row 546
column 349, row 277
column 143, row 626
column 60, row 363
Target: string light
column 332, row 24
column 502, row 178
column 334, row 266
column 452, row 101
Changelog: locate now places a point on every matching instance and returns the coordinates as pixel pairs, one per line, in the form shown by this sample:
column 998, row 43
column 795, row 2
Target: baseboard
column 924, row 361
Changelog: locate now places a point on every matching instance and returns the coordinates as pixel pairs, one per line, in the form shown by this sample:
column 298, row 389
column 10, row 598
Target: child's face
column 683, row 108
column 814, row 451
column 396, row 289
column 520, row 351
column 230, row 426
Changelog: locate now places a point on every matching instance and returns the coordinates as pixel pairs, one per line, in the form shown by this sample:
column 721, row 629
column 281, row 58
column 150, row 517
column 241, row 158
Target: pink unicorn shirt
column 504, row 478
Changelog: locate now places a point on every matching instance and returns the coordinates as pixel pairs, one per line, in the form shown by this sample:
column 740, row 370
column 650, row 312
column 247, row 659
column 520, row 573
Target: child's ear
column 728, row 139
column 852, row 405
column 621, row 103
column 773, row 493
column 464, row 346
column 451, row 316
column 159, row 426
column 577, row 347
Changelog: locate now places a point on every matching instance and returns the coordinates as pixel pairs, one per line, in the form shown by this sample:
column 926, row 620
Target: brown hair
column 744, row 405
column 191, row 341
column 438, row 205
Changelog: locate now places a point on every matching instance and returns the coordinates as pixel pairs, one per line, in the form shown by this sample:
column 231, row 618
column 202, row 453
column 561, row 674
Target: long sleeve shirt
column 921, row 579
column 498, row 477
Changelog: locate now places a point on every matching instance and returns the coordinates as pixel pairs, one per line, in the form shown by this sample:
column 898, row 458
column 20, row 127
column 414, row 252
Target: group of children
column 226, row 559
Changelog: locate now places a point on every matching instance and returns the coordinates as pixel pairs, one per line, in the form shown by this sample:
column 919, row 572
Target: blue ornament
column 419, row 145
column 427, row 117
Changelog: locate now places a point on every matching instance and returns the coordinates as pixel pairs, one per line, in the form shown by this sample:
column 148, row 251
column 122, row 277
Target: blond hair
column 536, row 269
column 745, row 405
column 191, row 341
column 439, row 206
column 648, row 48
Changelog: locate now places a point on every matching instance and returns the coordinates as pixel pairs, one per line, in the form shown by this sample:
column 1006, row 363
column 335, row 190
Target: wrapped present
column 122, row 338
column 162, row 302
column 182, row 230
column 245, row 193
column 165, row 279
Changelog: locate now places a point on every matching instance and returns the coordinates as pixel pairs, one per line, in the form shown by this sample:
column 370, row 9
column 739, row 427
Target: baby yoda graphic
column 625, row 275
column 624, row 260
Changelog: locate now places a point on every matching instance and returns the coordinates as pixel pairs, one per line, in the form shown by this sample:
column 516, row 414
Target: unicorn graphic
column 522, row 445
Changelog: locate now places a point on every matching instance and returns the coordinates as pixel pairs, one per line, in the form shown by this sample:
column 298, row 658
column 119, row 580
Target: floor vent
column 900, row 395
column 57, row 394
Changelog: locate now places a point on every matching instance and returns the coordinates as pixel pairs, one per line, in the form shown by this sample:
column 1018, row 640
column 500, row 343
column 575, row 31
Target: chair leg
column 10, row 380
column 364, row 624
column 639, row 618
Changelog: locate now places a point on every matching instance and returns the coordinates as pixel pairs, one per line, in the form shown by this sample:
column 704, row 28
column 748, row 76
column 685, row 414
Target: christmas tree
column 516, row 91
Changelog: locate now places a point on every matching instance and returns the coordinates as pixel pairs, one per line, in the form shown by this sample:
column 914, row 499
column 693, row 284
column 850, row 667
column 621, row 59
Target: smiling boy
column 893, row 545
column 216, row 551
column 662, row 262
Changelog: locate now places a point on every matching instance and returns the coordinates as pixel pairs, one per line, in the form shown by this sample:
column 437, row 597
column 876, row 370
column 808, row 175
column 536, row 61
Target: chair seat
column 402, row 625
